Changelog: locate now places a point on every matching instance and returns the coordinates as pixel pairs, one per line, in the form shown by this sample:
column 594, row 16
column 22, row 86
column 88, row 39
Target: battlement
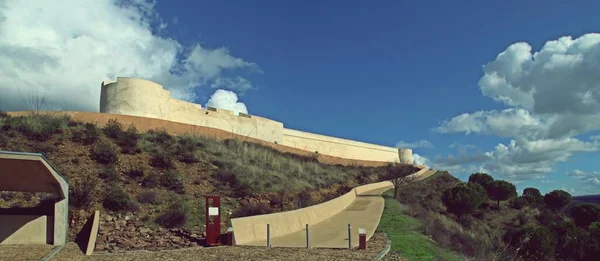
column 143, row 98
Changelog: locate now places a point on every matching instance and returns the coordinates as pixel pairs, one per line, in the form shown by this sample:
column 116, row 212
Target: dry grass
column 260, row 174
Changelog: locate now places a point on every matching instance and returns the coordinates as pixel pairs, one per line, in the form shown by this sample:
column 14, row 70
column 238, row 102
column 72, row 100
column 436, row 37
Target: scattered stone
column 108, row 218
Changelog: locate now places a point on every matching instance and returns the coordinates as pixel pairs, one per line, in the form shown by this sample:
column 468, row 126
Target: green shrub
column 175, row 216
column 3, row 115
column 534, row 243
column 87, row 136
column 186, row 149
column 160, row 137
column 128, row 141
column 172, row 181
column 464, row 198
column 533, row 196
column 304, row 199
column 518, row 203
column 149, row 197
column 104, row 152
column 571, row 240
column 37, row 127
column 482, row 179
column 113, row 129
column 152, row 180
column 252, row 209
column 108, row 173
column 161, row 158
column 585, row 214
column 136, row 171
column 116, row 199
column 557, row 199
column 500, row 190
column 81, row 194
column 227, row 178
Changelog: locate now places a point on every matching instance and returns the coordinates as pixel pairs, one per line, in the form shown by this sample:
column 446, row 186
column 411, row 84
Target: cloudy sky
column 508, row 89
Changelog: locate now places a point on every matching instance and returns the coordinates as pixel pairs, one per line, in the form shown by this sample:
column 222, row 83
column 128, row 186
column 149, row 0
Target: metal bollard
column 307, row 242
column 268, row 235
column 349, row 236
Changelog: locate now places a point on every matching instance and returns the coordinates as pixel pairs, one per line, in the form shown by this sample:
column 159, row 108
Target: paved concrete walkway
column 365, row 212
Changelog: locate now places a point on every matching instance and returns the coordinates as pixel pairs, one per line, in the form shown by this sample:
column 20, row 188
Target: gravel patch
column 374, row 246
column 23, row 252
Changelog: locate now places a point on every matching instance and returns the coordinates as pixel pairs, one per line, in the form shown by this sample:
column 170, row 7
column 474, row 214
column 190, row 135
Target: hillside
column 587, row 199
column 527, row 227
column 149, row 186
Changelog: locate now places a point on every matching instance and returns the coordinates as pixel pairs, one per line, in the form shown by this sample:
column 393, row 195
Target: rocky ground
column 375, row 245
column 126, row 232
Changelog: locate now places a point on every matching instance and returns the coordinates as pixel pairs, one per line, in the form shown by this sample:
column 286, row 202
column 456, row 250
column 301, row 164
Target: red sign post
column 213, row 220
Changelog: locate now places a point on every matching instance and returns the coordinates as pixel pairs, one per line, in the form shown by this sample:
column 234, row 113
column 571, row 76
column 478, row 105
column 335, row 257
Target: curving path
column 365, row 212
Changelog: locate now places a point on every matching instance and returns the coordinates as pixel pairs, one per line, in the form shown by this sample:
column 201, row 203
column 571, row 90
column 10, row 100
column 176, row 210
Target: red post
column 362, row 238
column 213, row 220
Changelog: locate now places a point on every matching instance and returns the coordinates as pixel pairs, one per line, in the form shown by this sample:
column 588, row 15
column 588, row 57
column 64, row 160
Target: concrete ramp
column 364, row 211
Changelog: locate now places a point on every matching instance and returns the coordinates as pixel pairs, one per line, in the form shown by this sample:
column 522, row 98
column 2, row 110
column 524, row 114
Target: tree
column 464, row 198
column 571, row 240
column 533, row 196
column 585, row 214
column 557, row 199
column 499, row 190
column 482, row 179
column 399, row 176
column 537, row 243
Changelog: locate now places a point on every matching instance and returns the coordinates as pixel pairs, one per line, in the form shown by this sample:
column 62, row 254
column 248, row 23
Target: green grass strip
column 406, row 238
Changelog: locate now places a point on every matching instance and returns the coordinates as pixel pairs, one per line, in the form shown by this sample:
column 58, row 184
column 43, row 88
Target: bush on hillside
column 518, row 203
column 108, row 173
column 533, row 196
column 81, row 194
column 116, row 199
column 585, row 214
column 128, row 140
column 104, row 152
column 161, row 158
column 113, row 129
column 136, row 171
column 88, row 135
column 534, row 243
column 571, row 240
column 175, row 216
column 3, row 115
column 37, row 127
column 149, row 197
column 160, row 137
column 482, row 179
column 152, row 180
column 252, row 209
column 172, row 181
column 500, row 190
column 557, row 199
column 464, row 198
column 187, row 149
column 227, row 178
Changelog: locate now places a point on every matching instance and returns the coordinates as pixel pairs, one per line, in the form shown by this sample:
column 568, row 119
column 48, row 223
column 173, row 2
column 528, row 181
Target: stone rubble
column 120, row 232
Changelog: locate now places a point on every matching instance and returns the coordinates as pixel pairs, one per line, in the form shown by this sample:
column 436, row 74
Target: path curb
column 52, row 253
column 385, row 251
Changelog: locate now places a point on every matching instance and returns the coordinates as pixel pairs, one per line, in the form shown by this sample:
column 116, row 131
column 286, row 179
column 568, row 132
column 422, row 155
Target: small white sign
column 213, row 211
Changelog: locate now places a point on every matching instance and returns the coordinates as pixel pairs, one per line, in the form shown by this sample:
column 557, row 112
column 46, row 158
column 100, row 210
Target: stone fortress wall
column 143, row 98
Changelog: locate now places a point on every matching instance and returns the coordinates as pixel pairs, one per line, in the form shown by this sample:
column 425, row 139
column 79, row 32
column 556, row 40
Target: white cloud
column 65, row 49
column 417, row 144
column 553, row 96
column 226, row 100
column 420, row 160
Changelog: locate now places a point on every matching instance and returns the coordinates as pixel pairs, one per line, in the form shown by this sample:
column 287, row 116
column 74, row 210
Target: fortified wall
column 143, row 98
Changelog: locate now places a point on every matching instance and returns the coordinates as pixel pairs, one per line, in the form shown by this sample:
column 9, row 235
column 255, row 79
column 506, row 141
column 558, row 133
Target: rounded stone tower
column 406, row 156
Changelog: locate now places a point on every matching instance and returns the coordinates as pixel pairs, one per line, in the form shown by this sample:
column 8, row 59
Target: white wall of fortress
column 143, row 98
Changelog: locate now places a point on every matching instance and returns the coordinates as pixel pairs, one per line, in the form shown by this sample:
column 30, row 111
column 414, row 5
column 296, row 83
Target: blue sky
column 384, row 72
